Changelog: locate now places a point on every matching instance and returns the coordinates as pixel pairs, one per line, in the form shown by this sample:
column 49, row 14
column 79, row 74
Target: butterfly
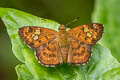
column 53, row 48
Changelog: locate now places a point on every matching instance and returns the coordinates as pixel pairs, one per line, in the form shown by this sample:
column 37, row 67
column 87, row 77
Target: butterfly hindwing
column 36, row 36
column 49, row 54
column 88, row 34
column 78, row 53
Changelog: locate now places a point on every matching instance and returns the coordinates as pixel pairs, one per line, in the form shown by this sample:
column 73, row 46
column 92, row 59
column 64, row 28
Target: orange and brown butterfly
column 53, row 48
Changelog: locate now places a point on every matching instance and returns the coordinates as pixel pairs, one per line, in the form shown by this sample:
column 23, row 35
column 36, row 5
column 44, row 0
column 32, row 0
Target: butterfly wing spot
column 89, row 34
column 48, row 55
column 94, row 26
column 37, row 31
column 45, row 54
column 27, row 29
column 86, row 29
column 35, row 37
column 52, row 55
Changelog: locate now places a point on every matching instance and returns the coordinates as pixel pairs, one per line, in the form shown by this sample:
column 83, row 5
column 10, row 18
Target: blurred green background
column 61, row 11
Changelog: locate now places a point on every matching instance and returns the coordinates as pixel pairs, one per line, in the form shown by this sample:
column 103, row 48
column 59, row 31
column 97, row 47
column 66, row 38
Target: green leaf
column 102, row 63
column 23, row 73
column 113, row 74
column 107, row 12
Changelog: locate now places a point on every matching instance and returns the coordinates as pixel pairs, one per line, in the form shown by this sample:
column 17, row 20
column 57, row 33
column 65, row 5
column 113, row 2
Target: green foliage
column 100, row 67
column 107, row 12
column 23, row 73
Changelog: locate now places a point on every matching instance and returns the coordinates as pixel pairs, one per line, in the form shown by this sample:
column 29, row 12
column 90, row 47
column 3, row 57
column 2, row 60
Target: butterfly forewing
column 36, row 36
column 78, row 53
column 88, row 34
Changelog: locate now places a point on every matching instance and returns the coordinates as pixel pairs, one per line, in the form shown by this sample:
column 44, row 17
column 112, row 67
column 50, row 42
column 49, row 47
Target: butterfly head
column 62, row 27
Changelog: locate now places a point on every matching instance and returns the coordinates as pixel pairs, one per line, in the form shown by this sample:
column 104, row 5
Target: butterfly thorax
column 63, row 42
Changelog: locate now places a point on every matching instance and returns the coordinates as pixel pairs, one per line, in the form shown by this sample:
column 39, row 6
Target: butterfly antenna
column 74, row 20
